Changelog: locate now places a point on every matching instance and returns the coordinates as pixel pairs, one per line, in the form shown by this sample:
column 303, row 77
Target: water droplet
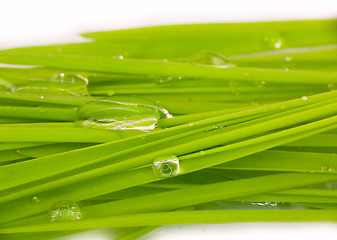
column 64, row 211
column 233, row 86
column 202, row 152
column 36, row 200
column 62, row 83
column 246, row 74
column 325, row 167
column 115, row 115
column 287, row 58
column 6, row 86
column 142, row 136
column 110, row 93
column 260, row 84
column 118, row 56
column 273, row 40
column 212, row 59
column 190, row 124
column 162, row 81
column 332, row 86
column 304, row 98
column 287, row 68
column 166, row 166
column 265, row 204
column 42, row 97
column 164, row 112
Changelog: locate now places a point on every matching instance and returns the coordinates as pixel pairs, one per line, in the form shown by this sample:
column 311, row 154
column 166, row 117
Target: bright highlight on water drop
column 273, row 40
column 166, row 166
column 64, row 211
column 36, row 200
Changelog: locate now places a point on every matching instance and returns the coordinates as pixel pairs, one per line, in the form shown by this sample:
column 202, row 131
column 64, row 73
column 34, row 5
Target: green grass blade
column 41, row 113
column 285, row 161
column 161, row 68
column 193, row 217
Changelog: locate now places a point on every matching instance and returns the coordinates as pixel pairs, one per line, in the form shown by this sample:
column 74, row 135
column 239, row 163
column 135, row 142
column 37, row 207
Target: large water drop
column 116, row 115
column 166, row 166
column 64, row 211
column 62, row 83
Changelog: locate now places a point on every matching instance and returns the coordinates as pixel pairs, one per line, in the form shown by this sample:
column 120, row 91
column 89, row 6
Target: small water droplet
column 42, row 97
column 273, row 40
column 191, row 124
column 260, row 84
column 6, row 86
column 118, row 56
column 36, row 200
column 332, row 86
column 246, row 74
column 162, row 81
column 142, row 136
column 110, row 93
column 233, row 86
column 64, row 211
column 212, row 59
column 115, row 115
column 287, row 58
column 287, row 68
column 304, row 98
column 166, row 166
column 325, row 167
column 202, row 152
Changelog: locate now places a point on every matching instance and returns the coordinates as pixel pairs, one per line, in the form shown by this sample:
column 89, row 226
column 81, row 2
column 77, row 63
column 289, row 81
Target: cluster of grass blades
column 186, row 124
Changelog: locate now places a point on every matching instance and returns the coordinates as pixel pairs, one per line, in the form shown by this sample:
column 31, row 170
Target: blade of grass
column 12, row 146
column 321, row 140
column 52, row 149
column 10, row 155
column 161, row 68
column 60, row 134
column 137, row 233
column 54, row 114
column 189, row 217
column 272, row 160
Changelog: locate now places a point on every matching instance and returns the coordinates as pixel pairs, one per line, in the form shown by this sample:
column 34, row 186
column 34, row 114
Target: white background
column 34, row 22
